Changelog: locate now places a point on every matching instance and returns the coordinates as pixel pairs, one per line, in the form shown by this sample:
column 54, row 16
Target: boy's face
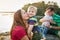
column 50, row 12
column 32, row 12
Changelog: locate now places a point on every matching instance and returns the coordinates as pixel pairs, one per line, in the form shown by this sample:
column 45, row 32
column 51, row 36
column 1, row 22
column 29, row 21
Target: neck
column 26, row 23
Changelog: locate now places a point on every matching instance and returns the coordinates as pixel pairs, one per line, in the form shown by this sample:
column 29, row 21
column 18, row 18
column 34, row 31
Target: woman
column 19, row 27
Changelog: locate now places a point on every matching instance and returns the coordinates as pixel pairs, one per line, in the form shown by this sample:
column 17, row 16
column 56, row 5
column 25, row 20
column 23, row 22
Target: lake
column 6, row 20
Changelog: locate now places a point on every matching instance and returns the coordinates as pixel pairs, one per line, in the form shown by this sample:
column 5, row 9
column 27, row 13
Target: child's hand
column 51, row 21
column 43, row 20
column 48, row 25
column 30, row 35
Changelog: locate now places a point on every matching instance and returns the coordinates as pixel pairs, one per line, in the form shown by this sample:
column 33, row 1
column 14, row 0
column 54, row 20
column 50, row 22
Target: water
column 6, row 20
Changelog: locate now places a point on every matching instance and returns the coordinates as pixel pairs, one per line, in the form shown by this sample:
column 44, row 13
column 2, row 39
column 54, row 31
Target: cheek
column 34, row 14
column 25, row 17
column 52, row 13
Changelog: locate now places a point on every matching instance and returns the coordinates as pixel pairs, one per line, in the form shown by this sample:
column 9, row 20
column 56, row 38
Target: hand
column 51, row 21
column 30, row 35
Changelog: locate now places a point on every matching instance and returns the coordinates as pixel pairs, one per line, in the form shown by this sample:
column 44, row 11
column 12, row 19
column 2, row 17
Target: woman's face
column 24, row 15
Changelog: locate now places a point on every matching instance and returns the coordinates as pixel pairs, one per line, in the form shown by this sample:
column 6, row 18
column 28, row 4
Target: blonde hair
column 32, row 7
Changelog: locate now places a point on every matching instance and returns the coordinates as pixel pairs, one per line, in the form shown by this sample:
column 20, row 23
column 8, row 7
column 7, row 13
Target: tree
column 41, row 6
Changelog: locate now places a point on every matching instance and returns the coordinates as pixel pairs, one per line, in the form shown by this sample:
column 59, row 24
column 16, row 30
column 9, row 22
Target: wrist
column 51, row 27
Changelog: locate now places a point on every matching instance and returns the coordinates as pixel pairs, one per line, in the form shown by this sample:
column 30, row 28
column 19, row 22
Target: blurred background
column 9, row 7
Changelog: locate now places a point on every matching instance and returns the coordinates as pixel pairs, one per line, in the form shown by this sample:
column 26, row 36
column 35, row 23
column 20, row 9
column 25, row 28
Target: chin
column 26, row 18
column 31, row 15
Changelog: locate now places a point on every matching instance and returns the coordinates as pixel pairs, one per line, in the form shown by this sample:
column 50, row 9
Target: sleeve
column 21, row 33
column 51, row 17
column 32, row 21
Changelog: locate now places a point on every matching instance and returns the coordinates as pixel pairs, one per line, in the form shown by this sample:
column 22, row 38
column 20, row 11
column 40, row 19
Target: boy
column 33, row 23
column 46, row 24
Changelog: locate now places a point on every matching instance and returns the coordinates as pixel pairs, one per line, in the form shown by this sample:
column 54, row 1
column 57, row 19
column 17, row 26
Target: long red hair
column 18, row 21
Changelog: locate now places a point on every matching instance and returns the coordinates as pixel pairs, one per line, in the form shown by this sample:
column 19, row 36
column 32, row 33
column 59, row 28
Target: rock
column 5, row 37
column 52, row 37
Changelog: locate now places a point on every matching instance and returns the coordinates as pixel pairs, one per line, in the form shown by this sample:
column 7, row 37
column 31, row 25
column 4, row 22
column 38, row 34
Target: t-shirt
column 47, row 17
column 18, row 32
column 33, row 21
column 56, row 18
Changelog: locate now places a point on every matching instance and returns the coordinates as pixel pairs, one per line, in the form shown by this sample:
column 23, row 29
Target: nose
column 27, row 13
column 30, row 12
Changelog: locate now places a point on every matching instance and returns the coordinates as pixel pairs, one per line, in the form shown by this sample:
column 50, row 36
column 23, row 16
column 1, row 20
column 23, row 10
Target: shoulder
column 48, row 17
column 19, row 32
column 45, row 17
column 18, row 29
column 33, row 18
column 56, row 15
column 51, row 17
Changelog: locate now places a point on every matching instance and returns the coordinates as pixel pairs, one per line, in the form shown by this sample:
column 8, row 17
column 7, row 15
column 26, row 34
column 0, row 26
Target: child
column 46, row 24
column 32, row 20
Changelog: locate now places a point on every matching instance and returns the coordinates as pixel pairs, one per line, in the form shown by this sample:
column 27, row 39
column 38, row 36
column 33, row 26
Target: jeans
column 41, row 29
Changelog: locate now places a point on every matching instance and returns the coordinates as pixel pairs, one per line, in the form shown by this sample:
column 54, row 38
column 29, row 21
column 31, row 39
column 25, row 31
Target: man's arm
column 56, row 28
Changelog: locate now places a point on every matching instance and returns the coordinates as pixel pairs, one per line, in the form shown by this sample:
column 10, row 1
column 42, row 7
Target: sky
column 13, row 5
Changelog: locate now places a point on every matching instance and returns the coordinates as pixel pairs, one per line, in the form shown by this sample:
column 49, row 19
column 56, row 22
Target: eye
column 32, row 11
column 24, row 13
